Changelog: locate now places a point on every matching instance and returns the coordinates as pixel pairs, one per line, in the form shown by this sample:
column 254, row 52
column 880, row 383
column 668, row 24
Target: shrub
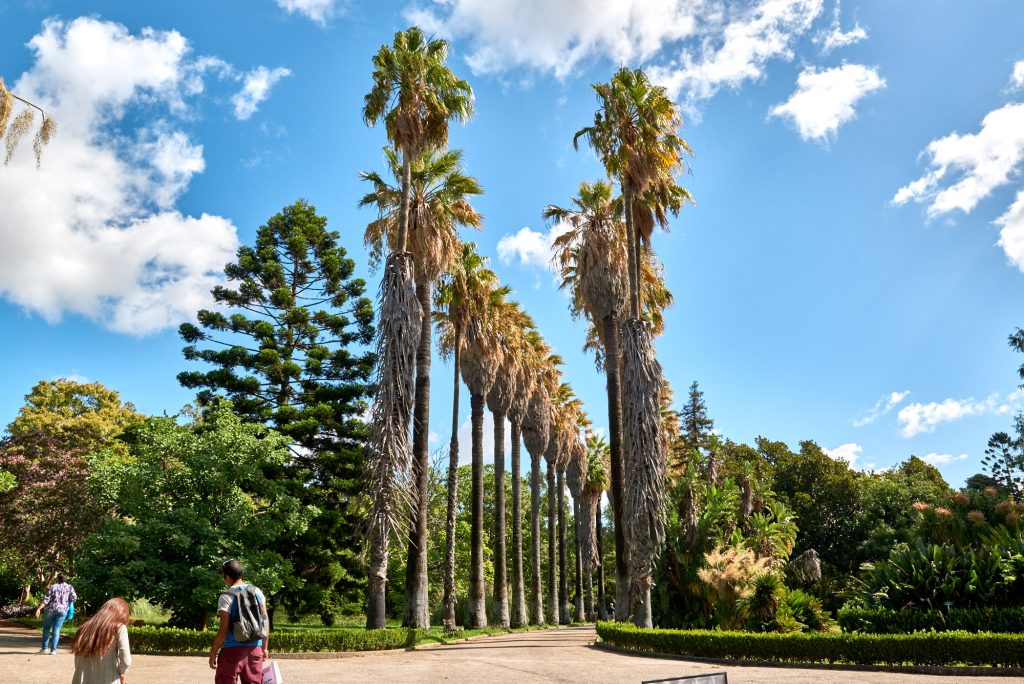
column 167, row 639
column 886, row 621
column 923, row 648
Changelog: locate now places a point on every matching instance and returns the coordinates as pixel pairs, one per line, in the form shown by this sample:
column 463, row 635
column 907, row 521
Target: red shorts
column 245, row 662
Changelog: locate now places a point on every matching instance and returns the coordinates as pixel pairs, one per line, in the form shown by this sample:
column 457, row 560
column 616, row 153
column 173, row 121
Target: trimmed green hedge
column 887, row 621
column 922, row 648
column 167, row 639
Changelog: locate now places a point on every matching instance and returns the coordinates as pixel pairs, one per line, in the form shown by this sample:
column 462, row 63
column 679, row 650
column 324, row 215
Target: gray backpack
column 248, row 623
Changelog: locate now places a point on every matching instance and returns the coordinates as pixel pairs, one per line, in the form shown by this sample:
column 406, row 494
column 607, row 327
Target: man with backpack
column 242, row 640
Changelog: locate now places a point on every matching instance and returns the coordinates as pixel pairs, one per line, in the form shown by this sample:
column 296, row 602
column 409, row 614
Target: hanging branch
column 22, row 124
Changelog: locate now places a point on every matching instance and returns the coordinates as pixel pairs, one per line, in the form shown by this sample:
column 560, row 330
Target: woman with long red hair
column 100, row 646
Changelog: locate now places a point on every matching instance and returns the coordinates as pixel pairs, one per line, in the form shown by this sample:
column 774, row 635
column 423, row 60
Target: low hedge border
column 170, row 640
column 931, row 649
column 887, row 621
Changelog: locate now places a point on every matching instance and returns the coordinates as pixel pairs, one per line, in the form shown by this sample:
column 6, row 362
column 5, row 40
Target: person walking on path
column 231, row 658
column 102, row 653
column 57, row 601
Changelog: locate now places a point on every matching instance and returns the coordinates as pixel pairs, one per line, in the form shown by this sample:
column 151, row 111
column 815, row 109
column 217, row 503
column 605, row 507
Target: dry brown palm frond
column 43, row 137
column 388, row 457
column 644, row 453
column 18, row 129
column 6, row 107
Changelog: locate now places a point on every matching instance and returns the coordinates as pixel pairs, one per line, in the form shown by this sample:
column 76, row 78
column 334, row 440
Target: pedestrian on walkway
column 57, row 601
column 242, row 640
column 102, row 652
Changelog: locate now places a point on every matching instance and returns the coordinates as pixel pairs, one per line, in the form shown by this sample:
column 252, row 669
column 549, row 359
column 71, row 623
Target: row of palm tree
column 431, row 276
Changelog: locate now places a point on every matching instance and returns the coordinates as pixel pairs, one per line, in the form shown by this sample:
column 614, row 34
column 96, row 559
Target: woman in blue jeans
column 56, row 602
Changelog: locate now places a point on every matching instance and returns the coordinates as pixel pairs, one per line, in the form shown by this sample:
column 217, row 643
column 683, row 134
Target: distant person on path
column 241, row 642
column 102, row 655
column 611, row 610
column 56, row 602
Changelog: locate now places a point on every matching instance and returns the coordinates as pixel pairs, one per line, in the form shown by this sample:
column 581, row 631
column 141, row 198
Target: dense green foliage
column 285, row 349
column 923, row 648
column 43, row 473
column 186, row 498
column 888, row 621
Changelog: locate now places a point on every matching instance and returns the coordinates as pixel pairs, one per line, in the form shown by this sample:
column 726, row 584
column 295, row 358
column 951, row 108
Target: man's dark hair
column 60, row 578
column 232, row 569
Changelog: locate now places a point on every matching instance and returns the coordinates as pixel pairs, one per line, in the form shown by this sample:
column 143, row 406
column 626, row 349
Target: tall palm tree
column 439, row 205
column 524, row 380
column 597, row 482
column 507, row 323
column 482, row 357
column 575, row 477
column 635, row 133
column 567, row 420
column 593, row 259
column 415, row 94
column 461, row 298
column 536, row 424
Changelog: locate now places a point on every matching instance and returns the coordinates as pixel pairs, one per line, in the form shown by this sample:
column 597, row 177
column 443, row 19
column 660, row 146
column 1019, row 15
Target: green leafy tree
column 286, row 349
column 44, row 462
column 1004, row 461
column 189, row 497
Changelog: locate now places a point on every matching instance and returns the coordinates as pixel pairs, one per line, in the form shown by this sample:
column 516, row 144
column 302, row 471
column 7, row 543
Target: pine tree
column 290, row 352
column 695, row 424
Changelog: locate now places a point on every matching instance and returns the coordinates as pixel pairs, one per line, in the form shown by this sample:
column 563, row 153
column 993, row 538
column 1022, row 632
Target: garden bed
column 932, row 649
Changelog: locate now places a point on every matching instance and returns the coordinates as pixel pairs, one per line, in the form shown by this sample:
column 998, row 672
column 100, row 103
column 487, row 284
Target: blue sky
column 849, row 275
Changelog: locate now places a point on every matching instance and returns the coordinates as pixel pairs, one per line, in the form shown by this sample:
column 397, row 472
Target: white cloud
column 882, row 407
column 917, row 417
column 555, row 36
column 824, row 100
column 95, row 231
column 740, row 50
column 734, row 42
column 984, row 161
column 256, row 89
column 530, row 248
column 849, row 453
column 935, row 459
column 1017, row 78
column 1011, row 232
column 835, row 37
column 316, row 10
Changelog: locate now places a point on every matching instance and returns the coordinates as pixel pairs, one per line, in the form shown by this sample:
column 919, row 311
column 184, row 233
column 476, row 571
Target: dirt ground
column 562, row 655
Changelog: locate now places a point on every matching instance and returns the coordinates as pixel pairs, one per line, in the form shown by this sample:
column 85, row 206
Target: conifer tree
column 288, row 349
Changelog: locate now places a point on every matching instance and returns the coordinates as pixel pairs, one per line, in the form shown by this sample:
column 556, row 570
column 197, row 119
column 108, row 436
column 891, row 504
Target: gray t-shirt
column 228, row 603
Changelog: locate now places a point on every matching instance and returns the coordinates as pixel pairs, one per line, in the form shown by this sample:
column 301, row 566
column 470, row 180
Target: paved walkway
column 563, row 655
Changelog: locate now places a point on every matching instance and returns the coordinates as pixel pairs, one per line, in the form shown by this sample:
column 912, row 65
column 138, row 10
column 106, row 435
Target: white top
column 108, row 668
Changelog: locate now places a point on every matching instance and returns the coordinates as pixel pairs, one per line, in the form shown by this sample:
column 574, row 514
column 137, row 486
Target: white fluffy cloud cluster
column 256, row 89
column 95, row 231
column 917, row 417
column 824, row 100
column 978, row 163
column 530, row 247
column 881, row 408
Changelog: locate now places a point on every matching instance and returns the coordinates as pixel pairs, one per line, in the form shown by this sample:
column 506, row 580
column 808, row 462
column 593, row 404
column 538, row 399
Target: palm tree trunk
column 552, row 547
column 453, row 484
column 500, row 560
column 602, row 602
column 581, row 611
column 477, row 598
column 633, row 245
column 611, row 369
column 563, row 578
column 417, row 601
column 403, row 211
column 377, row 582
column 535, row 580
column 518, row 588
